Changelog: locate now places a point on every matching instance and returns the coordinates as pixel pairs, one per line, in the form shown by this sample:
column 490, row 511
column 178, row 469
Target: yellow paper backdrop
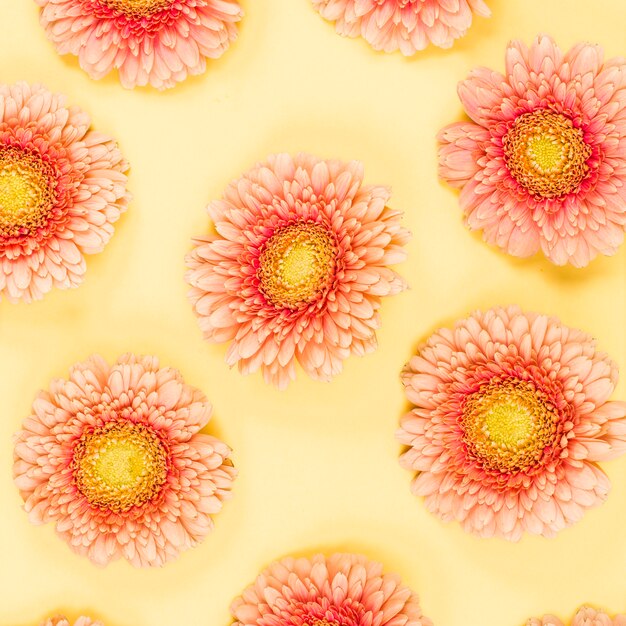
column 318, row 464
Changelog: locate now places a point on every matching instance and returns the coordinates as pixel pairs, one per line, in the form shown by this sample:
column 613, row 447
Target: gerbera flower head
column 298, row 266
column 63, row 621
column 511, row 413
column 405, row 25
column 340, row 590
column 62, row 187
column 541, row 165
column 585, row 616
column 114, row 457
column 156, row 42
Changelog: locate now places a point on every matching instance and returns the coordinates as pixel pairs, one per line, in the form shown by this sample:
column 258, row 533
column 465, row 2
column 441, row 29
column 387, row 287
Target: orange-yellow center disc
column 508, row 425
column 26, row 195
column 296, row 264
column 138, row 8
column 120, row 466
column 546, row 154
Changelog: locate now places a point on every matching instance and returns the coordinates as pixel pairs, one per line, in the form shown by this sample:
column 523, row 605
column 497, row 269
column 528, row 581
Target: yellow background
column 318, row 463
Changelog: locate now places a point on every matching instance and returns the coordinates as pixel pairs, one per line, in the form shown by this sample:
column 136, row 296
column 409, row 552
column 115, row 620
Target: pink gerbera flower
column 511, row 414
column 298, row 267
column 342, row 590
column 62, row 187
column 63, row 621
column 585, row 617
column 405, row 25
column 113, row 456
column 542, row 166
column 158, row 42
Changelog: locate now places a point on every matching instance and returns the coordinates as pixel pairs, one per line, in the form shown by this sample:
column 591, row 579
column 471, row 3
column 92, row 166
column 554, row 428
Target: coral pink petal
column 404, row 25
column 62, row 621
column 462, row 146
column 586, row 616
column 344, row 589
column 297, row 267
column 156, row 42
column 510, row 416
column 543, row 168
column 62, row 188
column 114, row 459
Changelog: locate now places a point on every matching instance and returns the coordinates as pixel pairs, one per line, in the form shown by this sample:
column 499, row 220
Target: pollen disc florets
column 26, row 192
column 546, row 154
column 120, row 465
column 508, row 425
column 138, row 8
column 296, row 264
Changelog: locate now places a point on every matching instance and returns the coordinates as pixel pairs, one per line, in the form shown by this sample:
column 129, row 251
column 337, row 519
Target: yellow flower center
column 120, row 466
column 546, row 154
column 508, row 425
column 138, row 8
column 26, row 195
column 296, row 265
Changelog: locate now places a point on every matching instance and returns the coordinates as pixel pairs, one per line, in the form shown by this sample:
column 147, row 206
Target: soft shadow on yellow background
column 318, row 463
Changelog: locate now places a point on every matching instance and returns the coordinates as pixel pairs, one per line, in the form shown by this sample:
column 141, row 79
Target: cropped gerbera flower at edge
column 114, row 457
column 405, row 25
column 585, row 616
column 298, row 267
column 511, row 414
column 542, row 164
column 156, row 42
column 63, row 621
column 62, row 187
column 340, row 590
